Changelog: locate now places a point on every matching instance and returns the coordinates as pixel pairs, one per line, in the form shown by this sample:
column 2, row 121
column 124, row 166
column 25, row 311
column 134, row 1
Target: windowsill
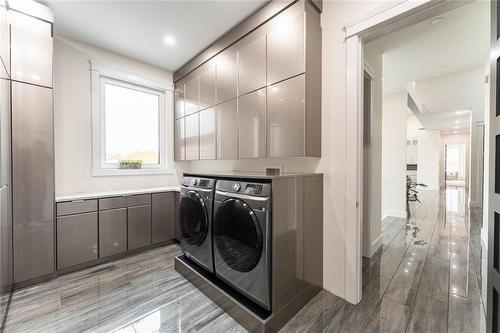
column 131, row 172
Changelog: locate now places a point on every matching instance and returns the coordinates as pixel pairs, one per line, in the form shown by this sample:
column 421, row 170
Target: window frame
column 100, row 76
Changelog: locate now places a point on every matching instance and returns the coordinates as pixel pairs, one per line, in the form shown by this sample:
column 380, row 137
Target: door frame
column 374, row 24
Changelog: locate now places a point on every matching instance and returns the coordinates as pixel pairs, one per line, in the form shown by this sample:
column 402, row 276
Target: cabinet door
column 227, row 75
column 286, row 50
column 191, row 96
column 192, row 137
column 207, row 87
column 162, row 217
column 252, row 66
column 285, row 118
column 177, row 227
column 31, row 49
column 252, row 124
column 76, row 239
column 112, row 232
column 179, row 140
column 32, row 181
column 207, row 134
column 4, row 42
column 227, row 130
column 179, row 100
column 139, row 226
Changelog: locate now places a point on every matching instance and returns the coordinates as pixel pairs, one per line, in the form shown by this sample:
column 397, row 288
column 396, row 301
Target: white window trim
column 101, row 74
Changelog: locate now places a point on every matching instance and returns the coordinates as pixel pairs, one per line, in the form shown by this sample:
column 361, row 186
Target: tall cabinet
column 32, row 141
column 259, row 97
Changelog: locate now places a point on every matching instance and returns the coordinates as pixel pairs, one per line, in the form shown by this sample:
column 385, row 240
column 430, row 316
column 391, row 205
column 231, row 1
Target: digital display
column 203, row 182
column 253, row 189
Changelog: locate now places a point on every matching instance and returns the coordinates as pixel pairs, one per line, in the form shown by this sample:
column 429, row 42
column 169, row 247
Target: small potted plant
column 130, row 164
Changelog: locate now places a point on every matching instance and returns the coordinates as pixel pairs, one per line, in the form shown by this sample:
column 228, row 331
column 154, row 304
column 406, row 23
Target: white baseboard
column 397, row 213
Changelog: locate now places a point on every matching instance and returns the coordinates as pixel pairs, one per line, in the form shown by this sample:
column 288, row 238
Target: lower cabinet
column 177, row 226
column 112, row 232
column 162, row 220
column 139, row 226
column 76, row 239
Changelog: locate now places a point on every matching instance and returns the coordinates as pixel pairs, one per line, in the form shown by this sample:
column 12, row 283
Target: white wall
column 394, row 130
column 456, row 138
column 72, row 111
column 428, row 158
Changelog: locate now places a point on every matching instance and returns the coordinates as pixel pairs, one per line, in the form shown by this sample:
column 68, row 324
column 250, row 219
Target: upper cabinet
column 227, row 75
column 286, row 40
column 31, row 49
column 252, row 64
column 263, row 90
column 4, row 42
column 207, row 87
column 179, row 101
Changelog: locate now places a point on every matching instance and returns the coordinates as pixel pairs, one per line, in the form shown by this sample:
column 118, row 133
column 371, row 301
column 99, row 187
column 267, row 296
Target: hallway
column 425, row 278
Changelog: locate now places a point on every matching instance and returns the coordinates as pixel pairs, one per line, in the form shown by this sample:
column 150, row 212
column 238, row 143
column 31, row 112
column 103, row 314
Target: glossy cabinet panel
column 252, row 124
column 179, row 140
column 252, row 66
column 179, row 101
column 76, row 239
column 76, row 207
column 4, row 43
column 112, row 232
column 285, row 118
column 207, row 87
column 33, row 181
column 31, row 49
column 207, row 134
column 192, row 137
column 227, row 130
column 162, row 217
column 191, row 96
column 227, row 75
column 177, row 227
column 6, row 251
column 286, row 50
column 139, row 226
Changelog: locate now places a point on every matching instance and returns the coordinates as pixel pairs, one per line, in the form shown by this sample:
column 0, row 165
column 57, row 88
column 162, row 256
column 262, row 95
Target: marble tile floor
column 423, row 279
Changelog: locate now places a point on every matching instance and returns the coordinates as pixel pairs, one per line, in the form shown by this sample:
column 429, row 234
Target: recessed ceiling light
column 169, row 40
column 437, row 20
column 457, row 121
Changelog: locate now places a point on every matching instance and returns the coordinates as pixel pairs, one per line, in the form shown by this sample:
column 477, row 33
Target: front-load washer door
column 237, row 235
column 193, row 219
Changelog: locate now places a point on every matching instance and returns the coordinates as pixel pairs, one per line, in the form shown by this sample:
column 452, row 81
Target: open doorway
column 427, row 91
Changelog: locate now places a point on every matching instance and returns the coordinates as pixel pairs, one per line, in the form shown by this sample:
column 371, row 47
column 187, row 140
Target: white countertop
column 82, row 196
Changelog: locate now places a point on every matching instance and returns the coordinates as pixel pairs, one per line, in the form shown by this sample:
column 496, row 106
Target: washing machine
column 195, row 220
column 242, row 238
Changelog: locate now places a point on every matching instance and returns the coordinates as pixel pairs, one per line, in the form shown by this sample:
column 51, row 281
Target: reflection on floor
column 425, row 278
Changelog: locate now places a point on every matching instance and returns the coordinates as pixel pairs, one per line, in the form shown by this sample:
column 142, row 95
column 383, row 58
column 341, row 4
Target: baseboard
column 375, row 245
column 384, row 217
column 397, row 213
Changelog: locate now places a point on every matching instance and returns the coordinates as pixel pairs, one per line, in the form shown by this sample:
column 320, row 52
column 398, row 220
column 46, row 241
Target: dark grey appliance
column 195, row 220
column 242, row 238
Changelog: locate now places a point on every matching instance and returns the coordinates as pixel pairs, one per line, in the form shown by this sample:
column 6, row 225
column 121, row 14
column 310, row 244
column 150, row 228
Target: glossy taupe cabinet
column 227, row 75
column 282, row 53
column 252, row 124
column 31, row 49
column 207, row 134
column 33, row 181
column 76, row 239
column 112, row 232
column 179, row 101
column 191, row 96
column 177, row 227
column 227, row 130
column 179, row 139
column 192, row 139
column 251, row 64
column 162, row 216
column 138, row 226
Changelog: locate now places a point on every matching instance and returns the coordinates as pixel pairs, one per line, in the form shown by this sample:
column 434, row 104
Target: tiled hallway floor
column 425, row 278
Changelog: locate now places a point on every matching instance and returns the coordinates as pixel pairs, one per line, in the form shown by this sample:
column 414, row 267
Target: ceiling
column 146, row 30
column 424, row 50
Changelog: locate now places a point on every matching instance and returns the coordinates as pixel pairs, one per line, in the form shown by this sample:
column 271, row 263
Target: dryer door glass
column 237, row 235
column 193, row 218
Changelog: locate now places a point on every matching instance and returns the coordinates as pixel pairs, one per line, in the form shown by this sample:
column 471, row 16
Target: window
column 130, row 122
